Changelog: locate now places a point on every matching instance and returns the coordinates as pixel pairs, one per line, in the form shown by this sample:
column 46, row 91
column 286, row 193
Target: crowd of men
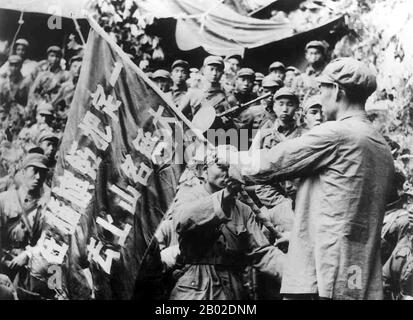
column 305, row 223
column 308, row 222
column 34, row 101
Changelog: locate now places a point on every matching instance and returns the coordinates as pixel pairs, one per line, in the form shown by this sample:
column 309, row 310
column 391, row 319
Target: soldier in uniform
column 67, row 91
column 44, row 122
column 291, row 73
column 266, row 117
column 305, row 85
column 21, row 48
column 396, row 224
column 21, row 216
column 257, row 83
column 49, row 78
column 277, row 71
column 210, row 95
column 285, row 126
column 48, row 142
column 232, row 66
column 243, row 119
column 218, row 237
column 14, row 88
column 313, row 112
column 397, row 244
column 163, row 80
column 179, row 74
column 398, row 271
column 278, row 197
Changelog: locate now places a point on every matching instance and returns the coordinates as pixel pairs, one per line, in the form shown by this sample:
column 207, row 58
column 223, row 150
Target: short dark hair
column 355, row 94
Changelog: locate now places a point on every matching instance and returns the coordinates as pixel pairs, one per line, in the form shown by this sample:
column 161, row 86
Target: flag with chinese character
column 115, row 177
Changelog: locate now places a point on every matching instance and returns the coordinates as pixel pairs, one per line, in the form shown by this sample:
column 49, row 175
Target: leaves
column 127, row 24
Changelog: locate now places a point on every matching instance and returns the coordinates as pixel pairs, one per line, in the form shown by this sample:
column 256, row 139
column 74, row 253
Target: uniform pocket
column 193, row 285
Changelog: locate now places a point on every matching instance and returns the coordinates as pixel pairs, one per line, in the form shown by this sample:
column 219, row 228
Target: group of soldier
column 306, row 223
column 34, row 101
column 302, row 220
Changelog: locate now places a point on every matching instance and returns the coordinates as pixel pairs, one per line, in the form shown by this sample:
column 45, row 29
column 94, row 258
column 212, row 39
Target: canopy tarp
column 216, row 27
column 36, row 30
column 264, row 12
column 64, row 8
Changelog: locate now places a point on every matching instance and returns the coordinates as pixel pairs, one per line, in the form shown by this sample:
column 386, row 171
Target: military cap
column 234, row 56
column 276, row 65
column 311, row 102
column 214, row 60
column 55, row 49
column 47, row 135
column 161, row 73
column 269, row 82
column 285, row 92
column 246, row 72
column 15, row 59
column 180, row 63
column 35, row 160
column 259, row 76
column 22, row 42
column 293, row 69
column 77, row 57
column 350, row 74
column 316, row 44
column 45, row 108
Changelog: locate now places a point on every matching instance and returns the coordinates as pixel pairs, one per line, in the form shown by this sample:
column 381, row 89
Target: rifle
column 244, row 105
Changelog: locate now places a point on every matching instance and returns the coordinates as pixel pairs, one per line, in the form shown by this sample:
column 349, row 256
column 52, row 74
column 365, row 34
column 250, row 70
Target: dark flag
column 115, row 178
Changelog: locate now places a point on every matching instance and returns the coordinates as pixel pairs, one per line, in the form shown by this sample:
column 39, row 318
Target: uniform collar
column 352, row 114
column 311, row 71
column 284, row 130
column 212, row 88
column 175, row 88
column 16, row 79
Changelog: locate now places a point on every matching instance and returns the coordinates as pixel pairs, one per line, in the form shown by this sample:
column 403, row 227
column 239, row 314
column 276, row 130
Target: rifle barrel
column 244, row 105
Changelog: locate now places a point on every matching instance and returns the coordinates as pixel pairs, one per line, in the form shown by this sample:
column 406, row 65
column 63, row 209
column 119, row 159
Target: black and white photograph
column 220, row 153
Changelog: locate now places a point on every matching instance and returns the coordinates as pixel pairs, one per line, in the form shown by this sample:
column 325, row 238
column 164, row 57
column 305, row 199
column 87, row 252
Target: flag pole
column 20, row 22
column 77, row 27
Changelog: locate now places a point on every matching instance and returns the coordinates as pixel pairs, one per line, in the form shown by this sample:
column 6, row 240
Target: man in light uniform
column 28, row 66
column 277, row 71
column 179, row 75
column 14, row 87
column 21, row 214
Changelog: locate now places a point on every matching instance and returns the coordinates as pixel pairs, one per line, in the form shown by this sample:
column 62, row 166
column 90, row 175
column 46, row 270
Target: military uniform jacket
column 216, row 247
column 28, row 68
column 21, row 219
column 195, row 99
column 398, row 271
column 346, row 170
column 178, row 93
column 14, row 91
